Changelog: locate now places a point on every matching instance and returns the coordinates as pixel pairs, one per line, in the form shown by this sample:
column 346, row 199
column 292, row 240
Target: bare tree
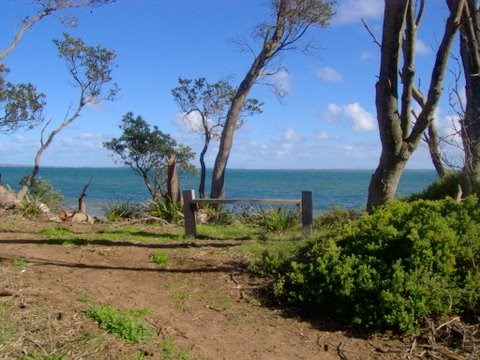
column 90, row 68
column 50, row 8
column 470, row 123
column 290, row 21
column 210, row 102
column 21, row 105
column 398, row 136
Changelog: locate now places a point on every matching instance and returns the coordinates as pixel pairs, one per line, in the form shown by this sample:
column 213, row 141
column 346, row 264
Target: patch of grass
column 86, row 298
column 169, row 351
column 236, row 231
column 20, row 263
column 56, row 232
column 160, row 257
column 118, row 210
column 125, row 324
column 180, row 298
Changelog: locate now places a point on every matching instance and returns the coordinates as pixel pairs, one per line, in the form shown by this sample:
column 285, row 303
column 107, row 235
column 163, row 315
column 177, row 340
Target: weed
column 117, row 210
column 160, row 257
column 20, row 263
column 169, row 351
column 180, row 298
column 86, row 298
column 126, row 324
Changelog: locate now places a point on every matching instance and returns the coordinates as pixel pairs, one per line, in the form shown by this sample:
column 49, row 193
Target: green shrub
column 390, row 269
column 126, row 324
column 160, row 258
column 42, row 191
column 166, row 210
column 117, row 210
column 275, row 220
column 336, row 218
column 440, row 189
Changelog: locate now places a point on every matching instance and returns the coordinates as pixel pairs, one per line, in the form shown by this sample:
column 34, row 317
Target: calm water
column 345, row 188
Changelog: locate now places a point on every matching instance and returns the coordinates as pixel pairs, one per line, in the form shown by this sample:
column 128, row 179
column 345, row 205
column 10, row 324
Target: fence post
column 307, row 212
column 189, row 213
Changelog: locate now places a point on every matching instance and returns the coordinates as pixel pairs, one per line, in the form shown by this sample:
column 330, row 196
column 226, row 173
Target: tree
column 210, row 102
column 399, row 134
column 149, row 152
column 290, row 21
column 21, row 105
column 90, row 68
column 470, row 123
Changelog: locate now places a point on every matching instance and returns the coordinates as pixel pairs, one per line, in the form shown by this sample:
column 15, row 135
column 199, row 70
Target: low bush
column 42, row 191
column 447, row 186
column 389, row 269
column 117, row 210
column 166, row 210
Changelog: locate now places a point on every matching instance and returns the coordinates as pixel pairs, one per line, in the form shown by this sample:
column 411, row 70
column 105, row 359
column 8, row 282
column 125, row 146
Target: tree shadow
column 229, row 267
column 119, row 243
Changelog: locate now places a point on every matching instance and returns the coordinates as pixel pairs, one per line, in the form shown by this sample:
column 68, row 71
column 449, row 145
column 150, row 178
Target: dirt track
column 202, row 298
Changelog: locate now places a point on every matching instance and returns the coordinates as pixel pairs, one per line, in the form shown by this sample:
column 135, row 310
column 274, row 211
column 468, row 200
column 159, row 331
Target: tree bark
column 203, row 168
column 173, row 186
column 398, row 141
column 270, row 47
column 470, row 54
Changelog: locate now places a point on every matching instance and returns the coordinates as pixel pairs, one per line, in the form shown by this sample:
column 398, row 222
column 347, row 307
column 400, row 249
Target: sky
column 327, row 119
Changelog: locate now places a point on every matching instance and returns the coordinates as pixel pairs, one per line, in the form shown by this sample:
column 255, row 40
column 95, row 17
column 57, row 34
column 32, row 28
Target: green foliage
column 145, row 150
column 440, row 189
column 275, row 220
column 21, row 106
column 90, row 67
column 43, row 191
column 56, row 232
column 160, row 258
column 20, row 263
column 336, row 218
column 169, row 350
column 166, row 210
column 122, row 210
column 390, row 269
column 126, row 324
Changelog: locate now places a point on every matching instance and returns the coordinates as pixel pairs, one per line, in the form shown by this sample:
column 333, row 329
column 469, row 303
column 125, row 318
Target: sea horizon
column 345, row 188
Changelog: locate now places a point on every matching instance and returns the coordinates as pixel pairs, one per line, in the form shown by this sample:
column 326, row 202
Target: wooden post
column 307, row 212
column 189, row 213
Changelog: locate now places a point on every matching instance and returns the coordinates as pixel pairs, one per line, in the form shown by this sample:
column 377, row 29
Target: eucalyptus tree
column 289, row 23
column 148, row 151
column 21, row 104
column 90, row 69
column 205, row 107
column 400, row 135
column 470, row 122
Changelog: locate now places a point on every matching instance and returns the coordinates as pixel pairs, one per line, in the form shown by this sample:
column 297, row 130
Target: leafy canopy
column 146, row 149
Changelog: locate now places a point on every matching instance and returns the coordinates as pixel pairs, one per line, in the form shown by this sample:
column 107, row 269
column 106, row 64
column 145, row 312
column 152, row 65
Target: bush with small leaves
column 390, row 269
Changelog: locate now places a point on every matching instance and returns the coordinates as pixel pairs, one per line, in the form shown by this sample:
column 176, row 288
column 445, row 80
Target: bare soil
column 203, row 300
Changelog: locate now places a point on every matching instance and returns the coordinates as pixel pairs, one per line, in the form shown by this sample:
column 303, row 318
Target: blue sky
column 326, row 121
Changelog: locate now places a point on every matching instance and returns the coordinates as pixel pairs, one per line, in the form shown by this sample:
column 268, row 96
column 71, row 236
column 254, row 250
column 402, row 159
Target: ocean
column 344, row 188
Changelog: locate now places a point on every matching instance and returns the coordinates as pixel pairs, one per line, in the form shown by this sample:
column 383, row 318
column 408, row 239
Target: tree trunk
column 385, row 180
column 173, row 186
column 203, row 168
column 271, row 45
column 398, row 141
column 434, row 149
column 470, row 54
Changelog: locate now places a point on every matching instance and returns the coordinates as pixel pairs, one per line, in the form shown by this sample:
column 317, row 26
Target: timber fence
column 190, row 205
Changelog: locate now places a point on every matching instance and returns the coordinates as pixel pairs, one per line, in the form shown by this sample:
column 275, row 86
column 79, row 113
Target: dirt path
column 203, row 299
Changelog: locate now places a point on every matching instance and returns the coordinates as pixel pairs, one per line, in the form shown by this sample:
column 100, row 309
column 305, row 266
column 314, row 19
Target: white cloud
column 350, row 11
column 290, row 136
column 321, row 135
column 91, row 136
column 366, row 55
column 362, row 120
column 281, row 82
column 422, row 48
column 329, row 74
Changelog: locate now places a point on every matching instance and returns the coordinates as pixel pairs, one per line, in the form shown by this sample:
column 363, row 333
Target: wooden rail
column 189, row 202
